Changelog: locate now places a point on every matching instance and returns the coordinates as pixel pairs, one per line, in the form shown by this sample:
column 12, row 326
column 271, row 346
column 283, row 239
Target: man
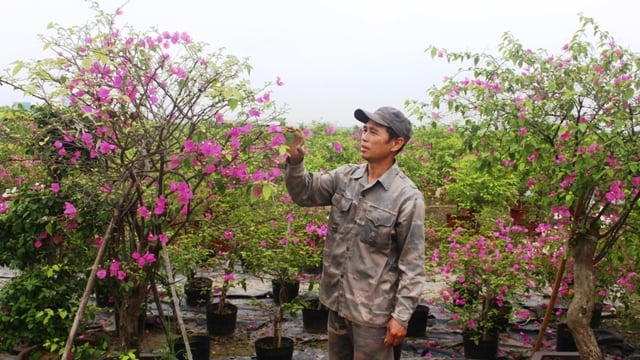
column 373, row 260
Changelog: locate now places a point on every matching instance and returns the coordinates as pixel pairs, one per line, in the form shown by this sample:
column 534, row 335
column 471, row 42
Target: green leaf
column 17, row 68
column 266, row 192
column 233, row 103
column 87, row 62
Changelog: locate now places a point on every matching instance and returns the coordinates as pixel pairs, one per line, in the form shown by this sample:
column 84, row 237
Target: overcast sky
column 333, row 55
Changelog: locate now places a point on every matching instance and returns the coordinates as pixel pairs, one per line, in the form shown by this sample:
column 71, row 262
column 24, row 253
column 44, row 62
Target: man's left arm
column 411, row 261
column 410, row 232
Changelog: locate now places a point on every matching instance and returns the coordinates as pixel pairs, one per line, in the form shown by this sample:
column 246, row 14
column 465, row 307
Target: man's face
column 375, row 143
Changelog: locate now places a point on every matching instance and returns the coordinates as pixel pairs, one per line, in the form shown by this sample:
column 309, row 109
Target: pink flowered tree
column 568, row 124
column 162, row 126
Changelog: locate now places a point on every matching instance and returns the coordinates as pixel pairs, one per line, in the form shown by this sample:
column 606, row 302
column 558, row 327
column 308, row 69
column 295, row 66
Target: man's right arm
column 308, row 189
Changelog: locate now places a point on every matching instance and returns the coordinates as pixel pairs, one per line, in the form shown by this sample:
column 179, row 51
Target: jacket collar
column 385, row 180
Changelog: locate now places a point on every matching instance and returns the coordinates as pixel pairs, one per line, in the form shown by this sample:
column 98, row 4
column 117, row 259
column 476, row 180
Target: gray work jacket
column 373, row 258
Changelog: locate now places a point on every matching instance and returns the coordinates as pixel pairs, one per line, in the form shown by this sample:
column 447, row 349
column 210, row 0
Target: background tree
column 568, row 123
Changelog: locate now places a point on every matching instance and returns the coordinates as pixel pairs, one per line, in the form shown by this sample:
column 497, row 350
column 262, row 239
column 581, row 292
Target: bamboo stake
column 174, row 298
column 88, row 288
column 552, row 301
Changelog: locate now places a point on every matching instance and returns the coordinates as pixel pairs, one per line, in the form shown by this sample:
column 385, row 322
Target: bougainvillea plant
column 162, row 123
column 568, row 123
column 483, row 268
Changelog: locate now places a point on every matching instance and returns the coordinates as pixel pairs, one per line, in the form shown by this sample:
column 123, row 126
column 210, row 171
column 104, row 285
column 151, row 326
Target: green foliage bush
column 38, row 305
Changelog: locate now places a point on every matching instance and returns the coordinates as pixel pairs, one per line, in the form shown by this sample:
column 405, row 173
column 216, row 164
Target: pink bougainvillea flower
column 69, row 209
column 471, row 324
column 3, row 207
column 279, row 81
column 283, row 241
column 149, row 257
column 330, row 130
column 277, row 140
column 259, row 175
column 310, row 228
column 55, row 187
column 274, row 128
column 564, row 136
column 121, row 275
column 209, row 148
column 228, row 277
column 337, row 146
column 209, row 169
column 615, row 192
column 114, row 267
column 160, row 204
column 98, row 241
column 143, row 212
column 183, row 191
column 103, row 94
column 152, row 237
column 101, row 274
column 37, row 244
column 254, row 113
column 163, row 238
column 228, row 234
column 189, row 146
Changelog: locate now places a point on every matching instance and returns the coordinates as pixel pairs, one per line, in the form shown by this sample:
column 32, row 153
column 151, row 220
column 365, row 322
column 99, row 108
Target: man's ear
column 397, row 144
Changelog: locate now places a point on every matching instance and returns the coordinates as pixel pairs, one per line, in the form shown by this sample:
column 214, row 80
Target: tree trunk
column 579, row 314
column 129, row 314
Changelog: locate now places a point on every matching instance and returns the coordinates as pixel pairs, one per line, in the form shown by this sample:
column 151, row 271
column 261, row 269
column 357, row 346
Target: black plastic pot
column 200, row 347
column 198, row 291
column 315, row 317
column 266, row 350
column 291, row 290
column 486, row 348
column 418, row 322
column 564, row 339
column 224, row 323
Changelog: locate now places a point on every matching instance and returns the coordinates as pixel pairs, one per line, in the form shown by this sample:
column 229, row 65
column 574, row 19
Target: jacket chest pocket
column 379, row 227
column 340, row 205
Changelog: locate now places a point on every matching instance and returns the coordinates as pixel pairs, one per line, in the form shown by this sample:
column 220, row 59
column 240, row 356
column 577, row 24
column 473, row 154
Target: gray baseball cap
column 390, row 117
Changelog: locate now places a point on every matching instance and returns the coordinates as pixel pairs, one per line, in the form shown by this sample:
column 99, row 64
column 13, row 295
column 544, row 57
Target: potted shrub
column 189, row 255
column 484, row 268
column 222, row 315
column 278, row 247
column 314, row 314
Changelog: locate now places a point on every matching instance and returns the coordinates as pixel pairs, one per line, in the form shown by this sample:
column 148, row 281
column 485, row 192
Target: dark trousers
column 351, row 341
